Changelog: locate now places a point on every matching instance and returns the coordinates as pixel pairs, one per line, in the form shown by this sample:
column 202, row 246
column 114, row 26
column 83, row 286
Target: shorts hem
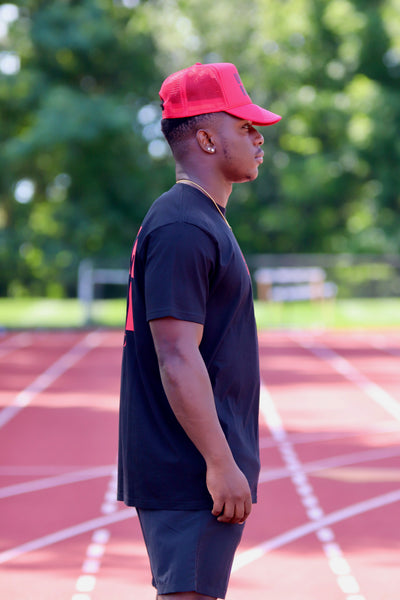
column 179, row 589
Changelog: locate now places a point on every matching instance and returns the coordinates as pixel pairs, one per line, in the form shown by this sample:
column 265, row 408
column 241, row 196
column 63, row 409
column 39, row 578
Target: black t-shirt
column 186, row 264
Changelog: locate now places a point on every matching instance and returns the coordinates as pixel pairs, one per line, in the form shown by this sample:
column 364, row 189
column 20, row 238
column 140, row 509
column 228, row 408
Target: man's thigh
column 189, row 551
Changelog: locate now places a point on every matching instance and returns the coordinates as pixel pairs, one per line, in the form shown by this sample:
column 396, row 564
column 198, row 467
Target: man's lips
column 259, row 157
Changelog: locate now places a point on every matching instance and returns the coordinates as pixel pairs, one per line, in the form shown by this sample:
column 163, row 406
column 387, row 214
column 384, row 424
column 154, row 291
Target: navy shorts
column 189, row 550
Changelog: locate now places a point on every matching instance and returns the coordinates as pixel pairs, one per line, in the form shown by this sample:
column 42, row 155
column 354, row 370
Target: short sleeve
column 180, row 259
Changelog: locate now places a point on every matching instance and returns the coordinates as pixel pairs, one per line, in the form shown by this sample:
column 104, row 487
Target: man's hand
column 230, row 492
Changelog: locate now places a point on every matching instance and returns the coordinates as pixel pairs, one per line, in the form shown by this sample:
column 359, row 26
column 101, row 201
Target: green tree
column 70, row 134
column 329, row 182
column 80, row 144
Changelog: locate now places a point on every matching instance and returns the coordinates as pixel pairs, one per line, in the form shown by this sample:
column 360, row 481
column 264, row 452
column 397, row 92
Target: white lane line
column 320, row 527
column 323, row 436
column 345, row 368
column 50, row 375
column 65, row 534
column 86, row 581
column 51, row 482
column 15, row 342
column 37, row 470
column 244, row 558
column 380, row 343
column 338, row 564
column 333, row 462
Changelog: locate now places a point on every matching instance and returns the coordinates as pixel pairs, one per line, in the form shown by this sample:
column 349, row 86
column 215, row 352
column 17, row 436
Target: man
column 188, row 449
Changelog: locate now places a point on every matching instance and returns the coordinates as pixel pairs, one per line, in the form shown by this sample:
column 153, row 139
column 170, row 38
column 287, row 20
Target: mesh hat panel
column 202, row 87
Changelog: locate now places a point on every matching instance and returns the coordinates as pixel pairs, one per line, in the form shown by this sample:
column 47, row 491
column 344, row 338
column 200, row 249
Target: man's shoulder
column 176, row 209
column 183, row 206
column 166, row 208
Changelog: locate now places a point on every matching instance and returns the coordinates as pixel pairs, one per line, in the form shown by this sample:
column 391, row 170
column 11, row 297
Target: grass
column 28, row 313
column 349, row 313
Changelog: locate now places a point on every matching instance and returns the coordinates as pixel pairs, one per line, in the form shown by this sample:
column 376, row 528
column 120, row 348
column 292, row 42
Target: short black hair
column 178, row 130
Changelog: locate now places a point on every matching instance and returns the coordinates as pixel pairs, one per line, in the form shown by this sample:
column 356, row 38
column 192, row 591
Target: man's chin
column 249, row 177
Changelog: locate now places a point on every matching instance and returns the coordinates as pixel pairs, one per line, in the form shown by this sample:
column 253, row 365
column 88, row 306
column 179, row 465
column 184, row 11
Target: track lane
column 70, row 421
column 358, row 497
column 296, row 388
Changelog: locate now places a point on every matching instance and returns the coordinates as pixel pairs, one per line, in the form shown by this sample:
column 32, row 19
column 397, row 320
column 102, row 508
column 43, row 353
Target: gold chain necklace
column 207, row 194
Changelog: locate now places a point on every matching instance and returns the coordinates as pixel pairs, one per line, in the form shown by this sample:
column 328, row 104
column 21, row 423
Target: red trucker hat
column 214, row 87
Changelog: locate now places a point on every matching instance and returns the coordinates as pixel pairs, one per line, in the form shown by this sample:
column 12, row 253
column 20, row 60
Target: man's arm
column 188, row 388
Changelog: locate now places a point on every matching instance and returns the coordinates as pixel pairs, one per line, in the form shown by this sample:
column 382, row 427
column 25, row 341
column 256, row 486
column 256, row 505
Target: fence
column 292, row 284
column 355, row 275
column 89, row 277
column 347, row 276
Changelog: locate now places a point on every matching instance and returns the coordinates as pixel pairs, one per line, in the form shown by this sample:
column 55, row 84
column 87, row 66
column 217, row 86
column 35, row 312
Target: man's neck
column 218, row 190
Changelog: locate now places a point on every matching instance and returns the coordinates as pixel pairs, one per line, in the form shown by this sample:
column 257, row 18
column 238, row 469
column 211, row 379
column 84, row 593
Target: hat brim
column 254, row 113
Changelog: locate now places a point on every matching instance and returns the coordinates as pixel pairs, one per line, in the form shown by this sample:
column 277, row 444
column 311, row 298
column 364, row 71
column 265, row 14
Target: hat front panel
column 235, row 92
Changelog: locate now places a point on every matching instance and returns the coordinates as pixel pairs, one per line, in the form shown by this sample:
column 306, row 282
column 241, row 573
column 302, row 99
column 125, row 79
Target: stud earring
column 211, row 149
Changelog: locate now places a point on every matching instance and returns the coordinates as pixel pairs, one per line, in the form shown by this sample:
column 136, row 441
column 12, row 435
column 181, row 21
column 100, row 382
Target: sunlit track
column 45, row 379
column 329, row 492
column 13, row 342
column 333, row 463
column 257, row 552
column 377, row 393
column 345, row 579
column 64, row 534
column 51, row 482
column 309, row 438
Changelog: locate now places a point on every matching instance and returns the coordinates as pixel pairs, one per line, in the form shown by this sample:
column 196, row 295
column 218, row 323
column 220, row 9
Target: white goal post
column 89, row 277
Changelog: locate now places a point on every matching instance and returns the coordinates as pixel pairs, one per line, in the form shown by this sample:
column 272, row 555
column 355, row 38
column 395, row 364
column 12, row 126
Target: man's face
column 238, row 146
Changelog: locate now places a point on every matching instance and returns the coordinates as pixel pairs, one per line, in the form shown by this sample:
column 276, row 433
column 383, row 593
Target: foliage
column 70, row 128
column 80, row 146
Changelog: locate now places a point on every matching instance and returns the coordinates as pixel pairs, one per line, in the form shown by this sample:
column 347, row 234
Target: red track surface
column 327, row 523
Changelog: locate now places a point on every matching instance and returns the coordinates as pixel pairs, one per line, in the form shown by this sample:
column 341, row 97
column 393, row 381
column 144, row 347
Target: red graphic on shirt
column 129, row 325
column 129, row 315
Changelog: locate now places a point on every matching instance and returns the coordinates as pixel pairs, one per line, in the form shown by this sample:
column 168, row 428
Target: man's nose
column 259, row 138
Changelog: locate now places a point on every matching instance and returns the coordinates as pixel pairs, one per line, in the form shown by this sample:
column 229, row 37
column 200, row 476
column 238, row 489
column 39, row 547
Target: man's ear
column 205, row 141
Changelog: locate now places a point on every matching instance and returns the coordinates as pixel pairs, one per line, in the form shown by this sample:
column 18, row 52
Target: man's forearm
column 188, row 388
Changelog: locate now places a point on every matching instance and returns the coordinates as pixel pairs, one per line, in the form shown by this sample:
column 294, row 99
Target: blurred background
column 82, row 156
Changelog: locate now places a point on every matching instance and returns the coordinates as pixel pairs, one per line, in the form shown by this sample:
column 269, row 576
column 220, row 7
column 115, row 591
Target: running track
column 327, row 525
